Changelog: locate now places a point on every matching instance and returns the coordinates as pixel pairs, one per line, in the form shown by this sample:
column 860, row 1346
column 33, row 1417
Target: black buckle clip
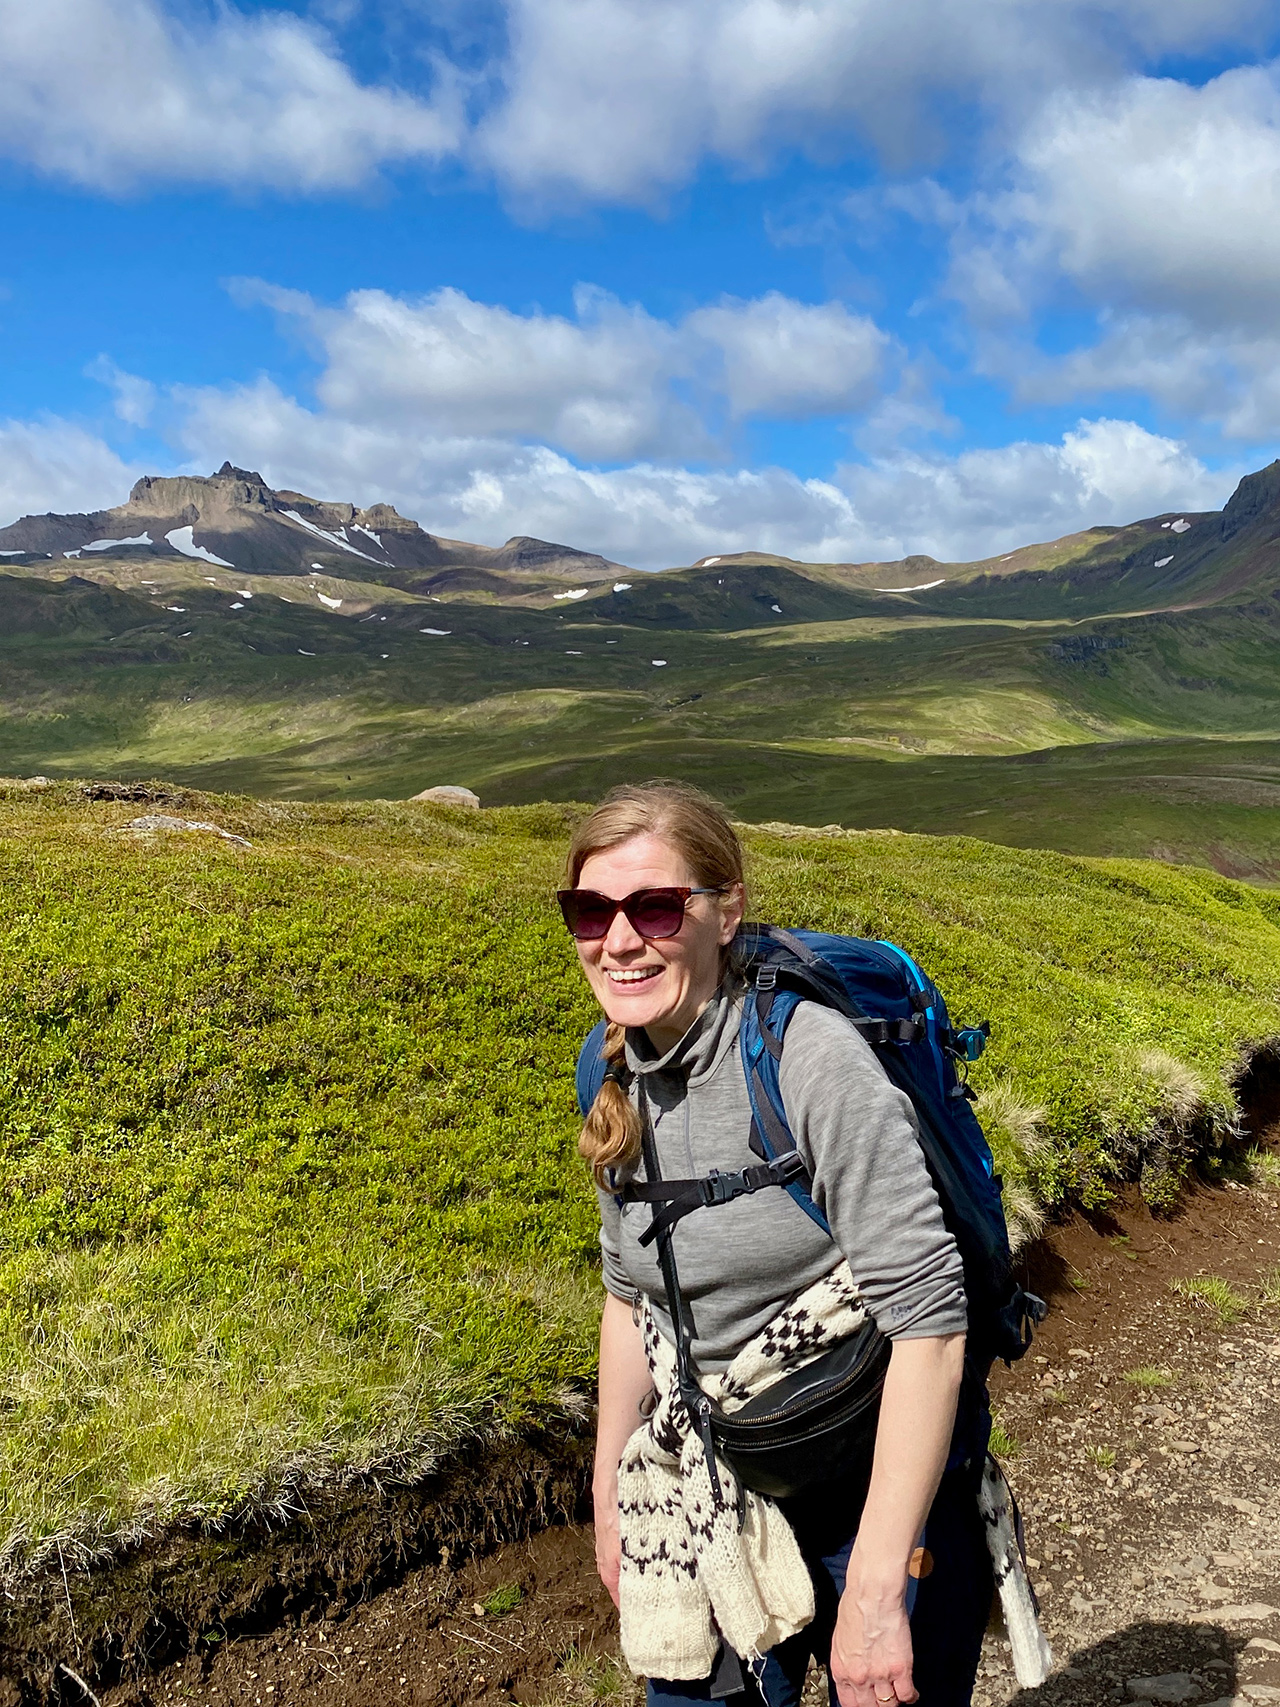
column 766, row 977
column 717, row 1187
column 786, row 1167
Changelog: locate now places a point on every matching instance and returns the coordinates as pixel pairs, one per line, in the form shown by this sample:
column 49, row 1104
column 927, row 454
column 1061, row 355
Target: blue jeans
column 949, row 1608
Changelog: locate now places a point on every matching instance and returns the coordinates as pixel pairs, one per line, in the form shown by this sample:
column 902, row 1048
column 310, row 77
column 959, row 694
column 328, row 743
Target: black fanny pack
column 817, row 1423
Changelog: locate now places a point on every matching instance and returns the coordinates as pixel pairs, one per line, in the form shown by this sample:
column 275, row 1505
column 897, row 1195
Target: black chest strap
column 682, row 1196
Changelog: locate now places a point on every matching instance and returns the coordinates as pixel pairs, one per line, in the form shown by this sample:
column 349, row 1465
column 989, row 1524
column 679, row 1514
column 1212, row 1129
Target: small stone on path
column 1173, row 1686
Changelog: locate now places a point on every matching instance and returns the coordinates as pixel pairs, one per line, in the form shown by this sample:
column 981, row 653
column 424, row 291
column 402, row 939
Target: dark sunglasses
column 653, row 913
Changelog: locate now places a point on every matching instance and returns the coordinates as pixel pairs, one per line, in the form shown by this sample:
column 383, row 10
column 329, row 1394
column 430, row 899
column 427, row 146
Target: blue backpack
column 902, row 1015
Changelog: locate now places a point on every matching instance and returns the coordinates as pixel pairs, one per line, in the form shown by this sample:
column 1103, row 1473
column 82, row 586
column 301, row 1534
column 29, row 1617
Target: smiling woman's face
column 662, row 985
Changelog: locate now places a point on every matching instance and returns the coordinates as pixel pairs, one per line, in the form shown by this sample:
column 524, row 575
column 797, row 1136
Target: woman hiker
column 883, row 1573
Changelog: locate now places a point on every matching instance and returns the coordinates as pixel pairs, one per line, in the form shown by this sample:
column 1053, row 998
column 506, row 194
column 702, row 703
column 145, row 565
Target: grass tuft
column 1149, row 1379
column 1263, row 1167
column 1002, row 1444
column 505, row 1598
column 1015, row 1129
column 589, row 1678
column 1216, row 1295
column 1178, row 1092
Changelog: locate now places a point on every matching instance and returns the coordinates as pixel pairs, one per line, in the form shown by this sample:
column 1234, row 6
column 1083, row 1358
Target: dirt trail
column 1151, row 1514
column 1151, row 1510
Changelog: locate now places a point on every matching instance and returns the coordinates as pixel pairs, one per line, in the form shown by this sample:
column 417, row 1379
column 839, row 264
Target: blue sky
column 842, row 278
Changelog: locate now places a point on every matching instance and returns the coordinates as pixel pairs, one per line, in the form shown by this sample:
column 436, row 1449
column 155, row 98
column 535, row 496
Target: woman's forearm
column 871, row 1646
column 917, row 1414
column 624, row 1381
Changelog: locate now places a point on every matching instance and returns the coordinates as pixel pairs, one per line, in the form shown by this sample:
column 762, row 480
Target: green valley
column 1115, row 692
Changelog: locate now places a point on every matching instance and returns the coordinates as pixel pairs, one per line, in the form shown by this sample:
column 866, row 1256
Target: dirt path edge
column 164, row 1600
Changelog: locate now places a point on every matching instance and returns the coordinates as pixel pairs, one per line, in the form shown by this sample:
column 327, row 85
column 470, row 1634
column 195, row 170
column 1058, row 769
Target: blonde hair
column 698, row 828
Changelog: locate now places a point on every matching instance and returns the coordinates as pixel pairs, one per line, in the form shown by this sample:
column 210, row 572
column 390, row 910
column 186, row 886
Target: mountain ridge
column 245, row 524
column 233, row 520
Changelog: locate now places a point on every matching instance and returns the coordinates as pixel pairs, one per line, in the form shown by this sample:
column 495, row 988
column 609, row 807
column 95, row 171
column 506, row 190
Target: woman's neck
column 664, row 1038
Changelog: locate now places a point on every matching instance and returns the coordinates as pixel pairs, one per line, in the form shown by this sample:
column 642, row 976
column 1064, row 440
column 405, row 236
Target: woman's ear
column 732, row 907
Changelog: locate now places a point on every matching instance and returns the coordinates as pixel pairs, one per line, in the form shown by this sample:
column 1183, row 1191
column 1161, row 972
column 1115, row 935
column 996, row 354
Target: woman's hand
column 608, row 1541
column 871, row 1648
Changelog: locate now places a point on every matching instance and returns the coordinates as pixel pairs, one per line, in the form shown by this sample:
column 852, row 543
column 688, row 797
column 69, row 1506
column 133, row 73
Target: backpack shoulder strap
column 591, row 1068
column 760, row 1034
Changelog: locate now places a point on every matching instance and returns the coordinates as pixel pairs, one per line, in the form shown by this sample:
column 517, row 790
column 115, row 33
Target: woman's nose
column 623, row 937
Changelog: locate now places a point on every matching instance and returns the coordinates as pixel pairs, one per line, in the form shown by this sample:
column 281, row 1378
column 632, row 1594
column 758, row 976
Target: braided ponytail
column 611, row 1134
column 698, row 827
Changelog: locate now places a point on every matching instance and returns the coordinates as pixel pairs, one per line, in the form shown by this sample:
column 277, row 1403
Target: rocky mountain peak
column 385, row 518
column 232, row 519
column 200, row 497
column 1257, row 496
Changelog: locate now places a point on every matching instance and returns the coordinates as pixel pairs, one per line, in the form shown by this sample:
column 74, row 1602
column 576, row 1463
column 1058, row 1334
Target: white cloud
column 1227, row 377
column 1161, row 195
column 786, row 358
column 112, row 93
column 972, row 505
column 55, row 465
column 593, row 99
column 1158, row 203
column 597, row 385
column 613, row 382
column 488, row 489
column 620, row 99
column 135, row 397
column 982, row 502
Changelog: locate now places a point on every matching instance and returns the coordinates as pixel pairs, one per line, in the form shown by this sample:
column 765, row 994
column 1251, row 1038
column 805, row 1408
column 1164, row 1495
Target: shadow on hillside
column 1044, row 1270
column 1257, row 1089
column 1208, row 1654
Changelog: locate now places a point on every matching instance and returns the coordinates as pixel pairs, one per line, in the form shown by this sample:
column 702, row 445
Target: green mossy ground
column 287, row 1132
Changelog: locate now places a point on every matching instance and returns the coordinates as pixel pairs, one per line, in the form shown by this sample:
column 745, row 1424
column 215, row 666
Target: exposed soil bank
column 199, row 1591
column 1148, row 1458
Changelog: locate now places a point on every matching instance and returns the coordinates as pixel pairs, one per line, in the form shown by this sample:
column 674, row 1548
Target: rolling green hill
column 287, row 1129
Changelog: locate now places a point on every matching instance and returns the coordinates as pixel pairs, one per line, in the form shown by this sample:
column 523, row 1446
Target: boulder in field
column 448, row 795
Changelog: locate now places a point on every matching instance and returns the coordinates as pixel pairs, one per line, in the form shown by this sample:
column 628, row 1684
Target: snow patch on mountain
column 183, row 541
column 339, row 539
column 110, row 544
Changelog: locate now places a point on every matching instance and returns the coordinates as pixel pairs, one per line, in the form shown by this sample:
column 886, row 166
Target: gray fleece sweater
column 740, row 1262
